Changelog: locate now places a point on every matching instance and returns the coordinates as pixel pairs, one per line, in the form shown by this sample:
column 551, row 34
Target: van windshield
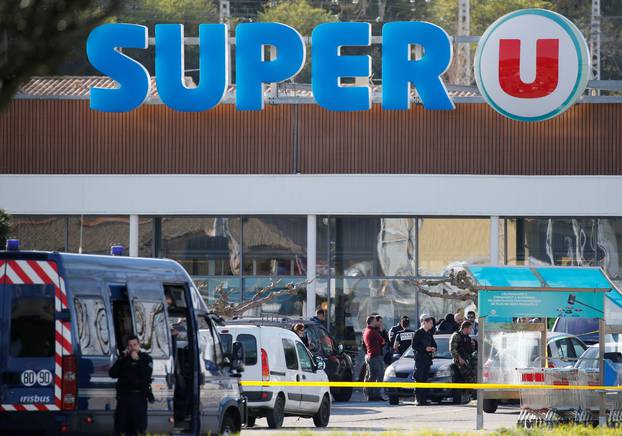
column 32, row 321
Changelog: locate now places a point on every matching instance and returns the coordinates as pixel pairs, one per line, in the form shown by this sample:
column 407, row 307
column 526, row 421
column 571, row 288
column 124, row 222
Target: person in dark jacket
column 133, row 371
column 320, row 317
column 404, row 338
column 396, row 329
column 462, row 347
column 448, row 325
column 425, row 347
column 373, row 342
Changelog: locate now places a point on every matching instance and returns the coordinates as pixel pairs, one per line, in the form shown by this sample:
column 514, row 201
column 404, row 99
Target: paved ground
column 363, row 416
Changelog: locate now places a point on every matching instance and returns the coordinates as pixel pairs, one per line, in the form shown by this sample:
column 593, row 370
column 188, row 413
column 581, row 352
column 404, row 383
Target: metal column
column 463, row 49
column 133, row 249
column 595, row 40
column 494, row 240
column 311, row 263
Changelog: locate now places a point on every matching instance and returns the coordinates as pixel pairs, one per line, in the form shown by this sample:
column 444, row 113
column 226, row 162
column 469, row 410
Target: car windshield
column 441, row 353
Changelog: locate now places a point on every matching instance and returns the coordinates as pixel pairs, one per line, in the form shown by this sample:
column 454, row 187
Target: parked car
column 585, row 329
column 339, row 365
column 402, row 370
column 613, row 355
column 276, row 354
column 513, row 350
column 64, row 320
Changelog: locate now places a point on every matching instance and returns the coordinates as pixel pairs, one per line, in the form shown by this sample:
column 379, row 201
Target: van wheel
column 321, row 418
column 228, row 425
column 276, row 415
column 250, row 422
column 490, row 406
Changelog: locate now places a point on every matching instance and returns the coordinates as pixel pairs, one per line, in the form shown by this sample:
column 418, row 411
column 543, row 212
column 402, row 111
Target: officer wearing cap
column 425, row 347
column 404, row 338
column 133, row 370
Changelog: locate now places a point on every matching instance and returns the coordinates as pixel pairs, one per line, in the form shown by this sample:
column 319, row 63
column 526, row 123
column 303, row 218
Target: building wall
column 65, row 137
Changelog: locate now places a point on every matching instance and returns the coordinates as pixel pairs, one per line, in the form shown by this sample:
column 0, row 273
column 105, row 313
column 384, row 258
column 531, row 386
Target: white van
column 277, row 354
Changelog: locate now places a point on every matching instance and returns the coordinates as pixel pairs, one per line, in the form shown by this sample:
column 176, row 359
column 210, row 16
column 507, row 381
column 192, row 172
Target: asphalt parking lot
column 377, row 416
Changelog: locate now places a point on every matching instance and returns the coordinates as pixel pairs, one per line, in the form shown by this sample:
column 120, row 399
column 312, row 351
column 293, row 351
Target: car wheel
column 490, row 406
column 228, row 426
column 321, row 418
column 250, row 422
column 276, row 415
column 461, row 397
column 394, row 400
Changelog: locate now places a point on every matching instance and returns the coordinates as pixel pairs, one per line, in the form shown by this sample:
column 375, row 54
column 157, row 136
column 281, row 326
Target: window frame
column 111, row 333
column 301, row 349
column 288, row 342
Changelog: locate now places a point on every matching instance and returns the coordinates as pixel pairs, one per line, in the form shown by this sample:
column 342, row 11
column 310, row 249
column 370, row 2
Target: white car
column 277, row 354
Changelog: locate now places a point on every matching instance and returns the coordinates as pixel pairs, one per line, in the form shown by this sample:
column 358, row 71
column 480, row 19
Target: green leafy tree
column 302, row 16
column 5, row 227
column 483, row 12
column 190, row 13
column 36, row 36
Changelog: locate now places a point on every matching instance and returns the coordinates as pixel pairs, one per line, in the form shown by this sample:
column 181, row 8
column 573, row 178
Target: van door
column 292, row 373
column 309, row 395
column 28, row 299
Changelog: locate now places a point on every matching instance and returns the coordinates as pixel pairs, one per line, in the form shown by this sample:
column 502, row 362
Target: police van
column 64, row 320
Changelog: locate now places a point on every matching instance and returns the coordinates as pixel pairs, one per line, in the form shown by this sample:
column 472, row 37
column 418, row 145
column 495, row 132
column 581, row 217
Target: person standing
column 320, row 317
column 133, row 371
column 373, row 343
column 393, row 331
column 462, row 347
column 425, row 347
column 299, row 329
column 404, row 338
column 471, row 317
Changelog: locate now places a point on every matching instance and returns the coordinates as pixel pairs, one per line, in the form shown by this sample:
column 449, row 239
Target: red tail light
column 265, row 367
column 70, row 383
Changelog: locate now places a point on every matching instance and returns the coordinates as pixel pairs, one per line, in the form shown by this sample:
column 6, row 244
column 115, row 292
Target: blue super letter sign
column 252, row 71
column 213, row 65
column 328, row 66
column 133, row 78
column 399, row 71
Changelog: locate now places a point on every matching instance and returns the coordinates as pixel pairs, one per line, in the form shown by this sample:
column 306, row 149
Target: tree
column 5, row 227
column 483, row 12
column 37, row 35
column 301, row 16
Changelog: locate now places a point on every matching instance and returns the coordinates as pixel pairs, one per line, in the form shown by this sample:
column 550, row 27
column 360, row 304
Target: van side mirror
column 320, row 365
column 237, row 357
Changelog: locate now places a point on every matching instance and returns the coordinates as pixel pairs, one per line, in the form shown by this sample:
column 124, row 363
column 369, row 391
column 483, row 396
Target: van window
column 93, row 333
column 291, row 360
column 210, row 347
column 249, row 343
column 122, row 318
column 150, row 326
column 227, row 342
column 32, row 321
column 306, row 364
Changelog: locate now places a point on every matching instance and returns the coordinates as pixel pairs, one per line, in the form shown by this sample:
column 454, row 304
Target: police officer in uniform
column 425, row 347
column 462, row 347
column 403, row 338
column 133, row 371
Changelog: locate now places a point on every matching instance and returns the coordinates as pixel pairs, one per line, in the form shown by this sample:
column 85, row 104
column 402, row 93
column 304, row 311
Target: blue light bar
column 116, row 250
column 12, row 245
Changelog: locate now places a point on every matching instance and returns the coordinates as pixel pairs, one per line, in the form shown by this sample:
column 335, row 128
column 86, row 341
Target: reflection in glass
column 150, row 327
column 96, row 234
column 205, row 246
column 93, row 332
column 448, row 242
column 275, row 245
column 207, row 287
column 288, row 304
column 45, row 233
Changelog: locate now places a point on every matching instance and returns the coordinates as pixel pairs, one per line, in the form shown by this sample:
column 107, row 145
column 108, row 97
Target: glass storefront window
column 96, row 234
column 207, row 286
column 45, row 233
column 448, row 242
column 205, row 246
column 287, row 305
column 372, row 246
column 275, row 245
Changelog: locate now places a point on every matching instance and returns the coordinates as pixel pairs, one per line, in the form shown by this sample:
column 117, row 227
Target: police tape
column 422, row 385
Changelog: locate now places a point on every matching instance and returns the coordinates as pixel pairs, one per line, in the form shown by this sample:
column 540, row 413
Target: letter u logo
column 547, row 68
